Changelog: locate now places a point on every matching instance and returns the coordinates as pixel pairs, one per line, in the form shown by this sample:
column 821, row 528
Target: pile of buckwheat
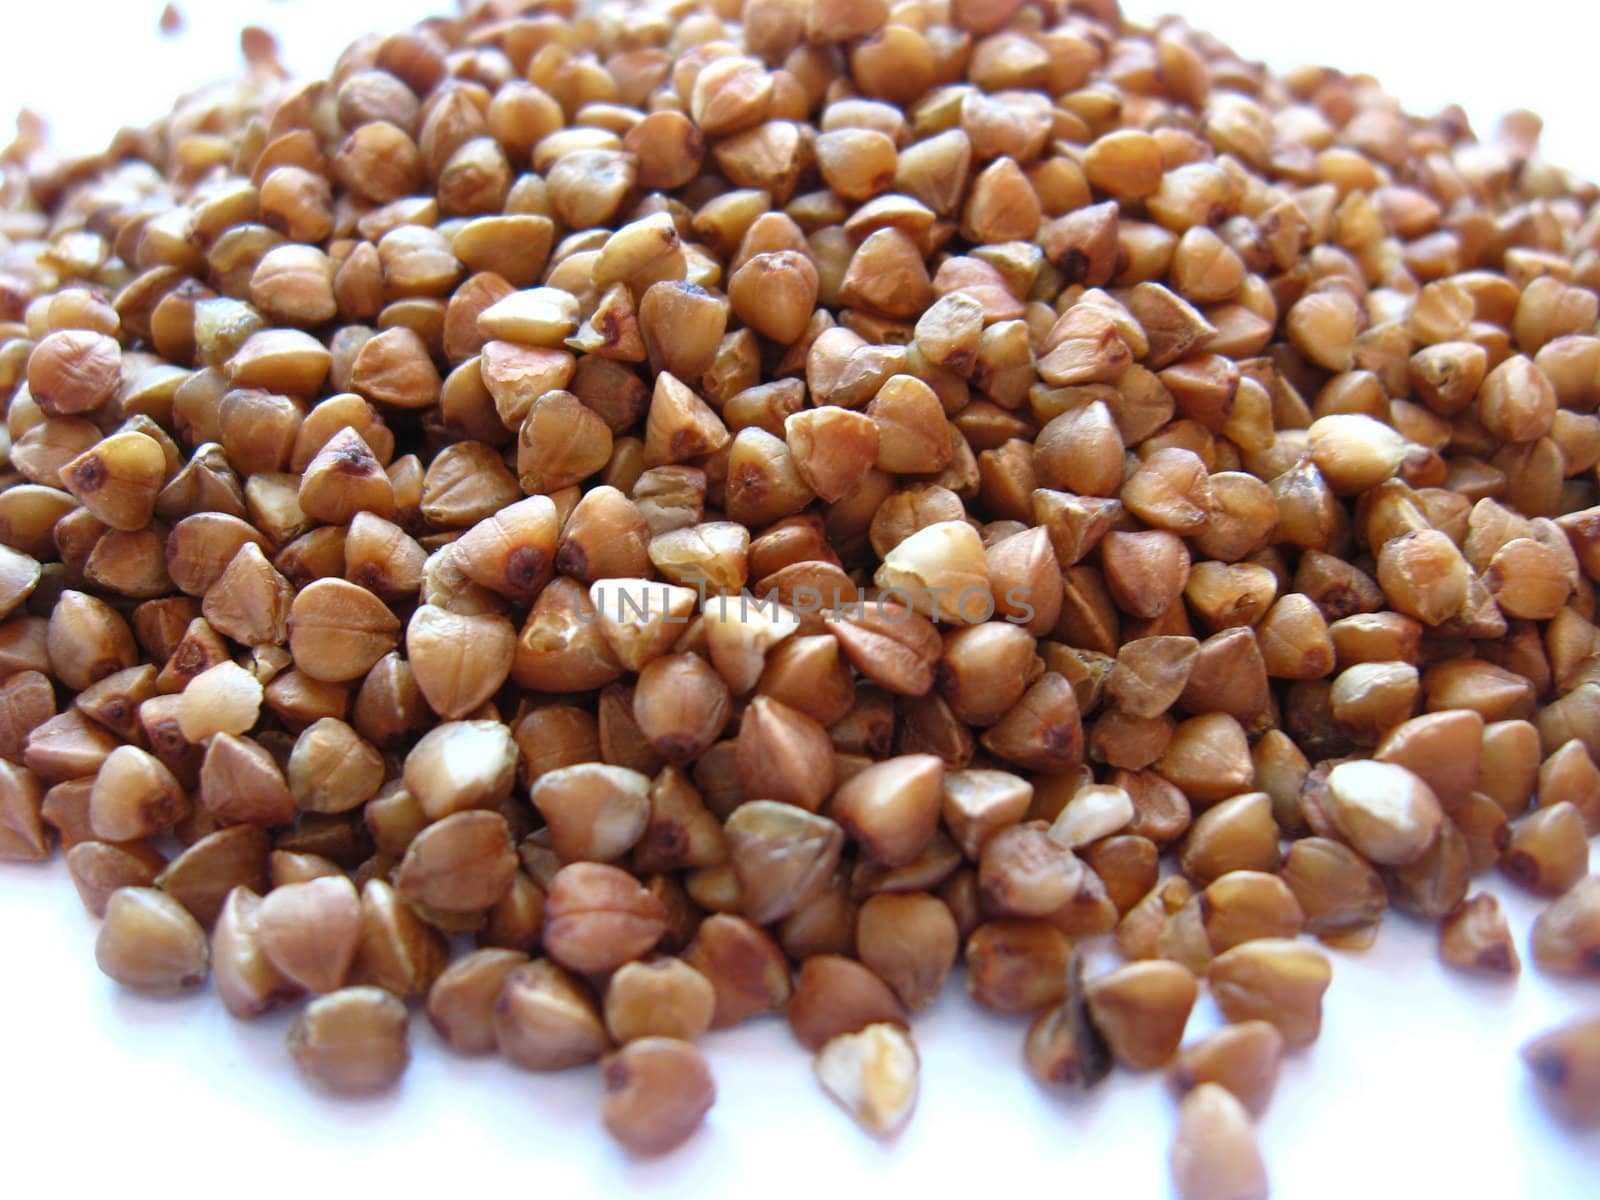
column 609, row 523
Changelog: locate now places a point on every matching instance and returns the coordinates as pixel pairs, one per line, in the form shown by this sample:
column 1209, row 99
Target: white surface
column 1414, row 1088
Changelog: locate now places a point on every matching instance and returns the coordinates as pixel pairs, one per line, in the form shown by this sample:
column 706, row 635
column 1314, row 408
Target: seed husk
column 1063, row 1045
column 353, row 1042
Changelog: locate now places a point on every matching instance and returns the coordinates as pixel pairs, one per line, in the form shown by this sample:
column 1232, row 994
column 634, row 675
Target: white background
column 1414, row 1089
